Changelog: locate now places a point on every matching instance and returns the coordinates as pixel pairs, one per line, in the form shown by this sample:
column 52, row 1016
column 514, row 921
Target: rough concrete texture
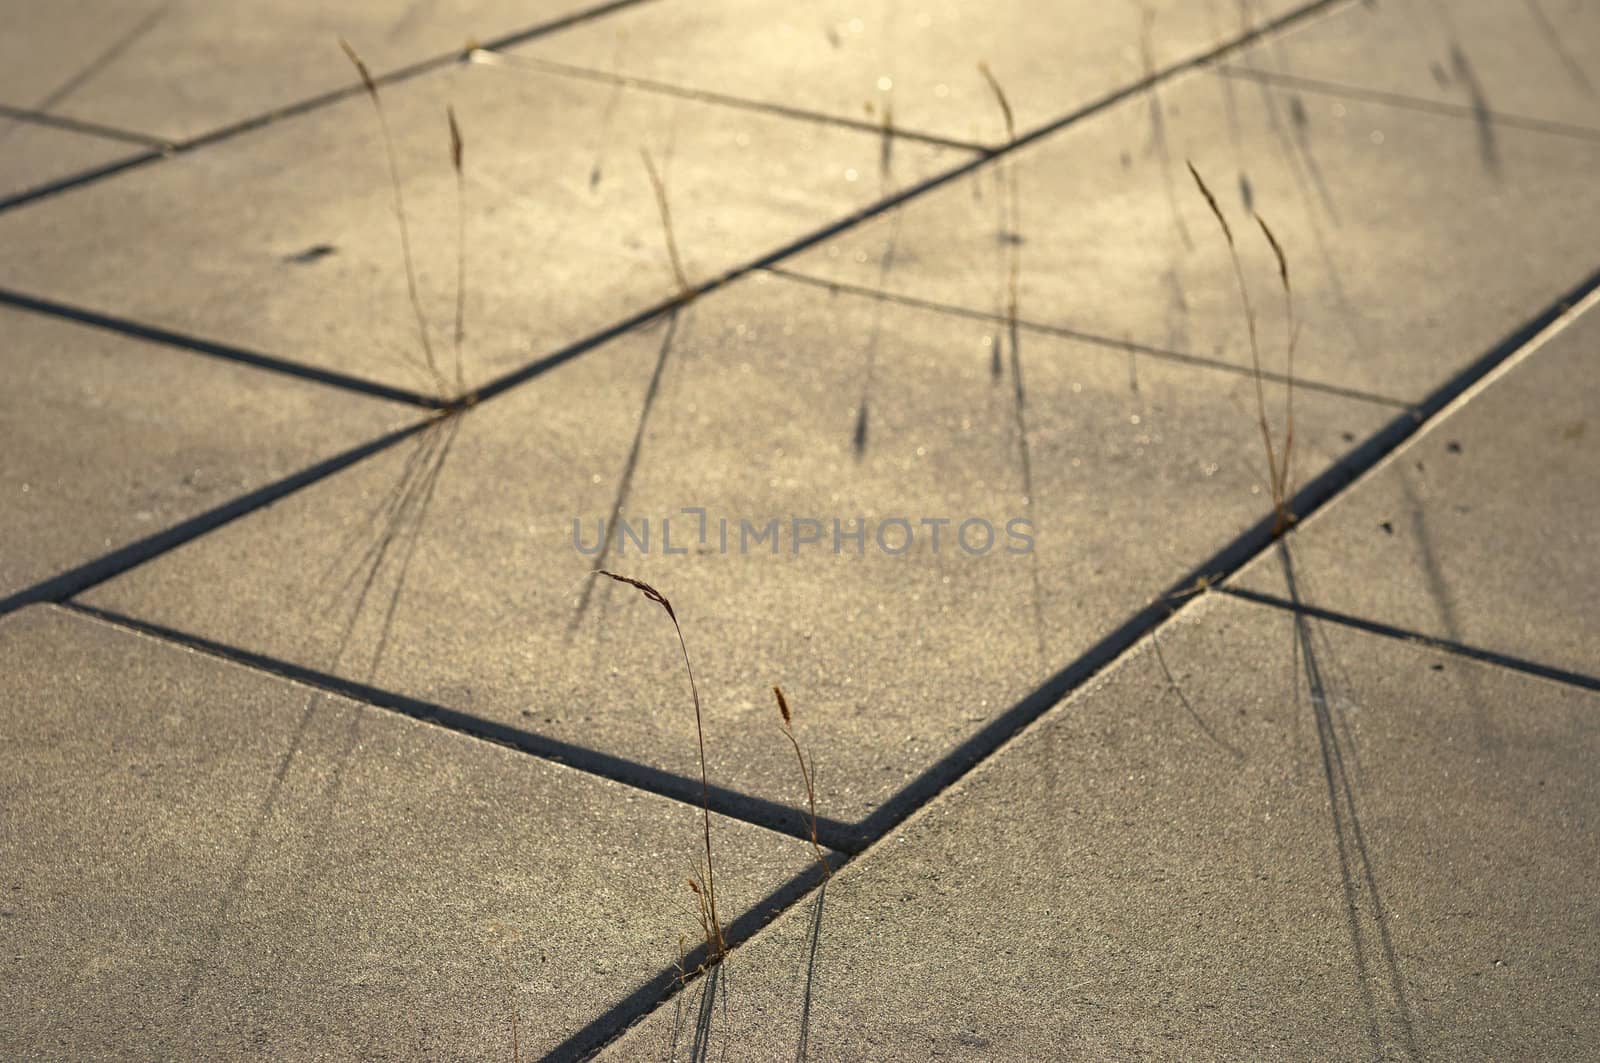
column 285, row 240
column 1485, row 530
column 368, row 763
column 1532, row 59
column 175, row 71
column 202, row 861
column 109, row 440
column 1383, row 853
column 858, row 60
column 32, row 155
column 1409, row 257
column 775, row 400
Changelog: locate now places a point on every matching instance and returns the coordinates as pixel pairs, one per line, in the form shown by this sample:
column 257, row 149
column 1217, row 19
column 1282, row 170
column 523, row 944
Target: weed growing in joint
column 429, row 363
column 703, row 884
column 1278, row 461
column 807, row 776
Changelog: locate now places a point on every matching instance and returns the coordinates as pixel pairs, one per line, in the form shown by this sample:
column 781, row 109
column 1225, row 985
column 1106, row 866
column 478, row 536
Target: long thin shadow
column 803, row 1042
column 1123, row 345
column 908, row 193
column 313, row 103
column 1296, row 145
column 668, row 982
column 1247, row 545
column 1482, row 113
column 663, row 88
column 1552, row 37
column 1338, row 90
column 1358, row 874
column 712, row 992
column 1158, row 129
column 886, row 186
column 774, row 816
column 1183, row 699
column 77, row 580
column 539, row 366
column 401, row 522
column 629, row 465
column 1295, row 149
column 1449, row 615
column 1230, row 112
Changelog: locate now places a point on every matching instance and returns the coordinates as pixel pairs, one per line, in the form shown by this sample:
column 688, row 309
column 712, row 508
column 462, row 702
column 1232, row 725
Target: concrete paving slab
column 1408, row 257
column 109, row 440
column 1534, row 59
column 448, row 571
column 175, row 71
column 202, row 861
column 839, row 57
column 32, row 155
column 285, row 240
column 1219, row 866
column 1485, row 530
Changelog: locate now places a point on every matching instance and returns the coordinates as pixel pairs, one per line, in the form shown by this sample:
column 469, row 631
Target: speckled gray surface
column 1529, row 59
column 1255, row 839
column 174, row 71
column 201, row 861
column 854, row 59
column 110, row 439
column 1408, row 255
column 1162, row 869
column 1140, row 470
column 1485, row 530
column 33, row 155
column 284, row 240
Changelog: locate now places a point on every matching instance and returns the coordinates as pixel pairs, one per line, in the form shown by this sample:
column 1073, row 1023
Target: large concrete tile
column 891, row 660
column 202, row 861
column 1485, row 530
column 1408, row 258
column 839, row 56
column 285, row 240
column 1401, row 870
column 1536, row 59
column 176, row 70
column 32, row 155
column 109, row 440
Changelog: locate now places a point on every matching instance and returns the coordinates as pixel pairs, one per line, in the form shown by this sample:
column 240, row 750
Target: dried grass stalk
column 400, row 211
column 806, row 776
column 1277, row 475
column 716, row 945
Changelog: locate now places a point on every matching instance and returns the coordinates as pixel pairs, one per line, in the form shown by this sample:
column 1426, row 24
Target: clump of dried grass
column 1278, row 460
column 400, row 211
column 703, row 883
column 807, row 776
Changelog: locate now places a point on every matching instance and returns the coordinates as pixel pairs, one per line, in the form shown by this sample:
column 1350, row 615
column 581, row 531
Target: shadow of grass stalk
column 1277, row 472
column 705, row 892
column 456, row 146
column 807, row 776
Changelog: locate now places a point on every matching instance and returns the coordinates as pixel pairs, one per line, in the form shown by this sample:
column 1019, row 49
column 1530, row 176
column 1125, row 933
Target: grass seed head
column 361, row 68
column 455, row 138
